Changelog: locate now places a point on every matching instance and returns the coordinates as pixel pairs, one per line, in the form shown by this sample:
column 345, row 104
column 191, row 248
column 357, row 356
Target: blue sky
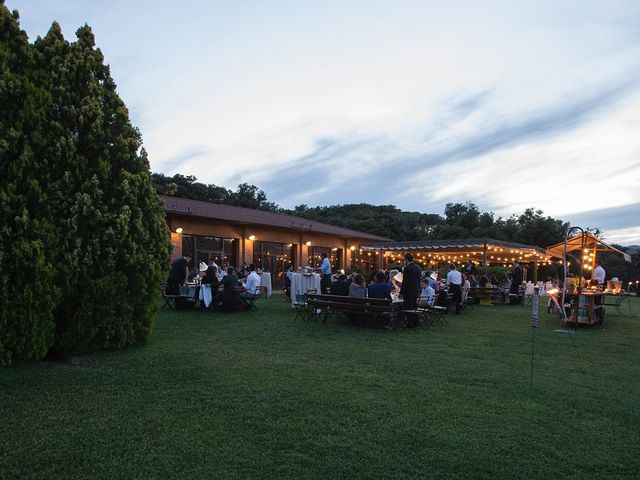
column 412, row 103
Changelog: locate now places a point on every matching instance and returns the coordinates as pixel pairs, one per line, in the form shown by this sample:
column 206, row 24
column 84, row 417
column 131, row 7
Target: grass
column 256, row 395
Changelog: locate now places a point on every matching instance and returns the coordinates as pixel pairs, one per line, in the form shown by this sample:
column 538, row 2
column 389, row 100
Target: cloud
column 611, row 219
column 177, row 163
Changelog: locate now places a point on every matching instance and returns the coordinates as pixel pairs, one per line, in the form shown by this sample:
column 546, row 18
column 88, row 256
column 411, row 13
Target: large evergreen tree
column 27, row 290
column 98, row 220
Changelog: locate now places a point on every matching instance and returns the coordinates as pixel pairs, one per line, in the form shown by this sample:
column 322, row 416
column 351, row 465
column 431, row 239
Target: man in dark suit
column 178, row 275
column 410, row 289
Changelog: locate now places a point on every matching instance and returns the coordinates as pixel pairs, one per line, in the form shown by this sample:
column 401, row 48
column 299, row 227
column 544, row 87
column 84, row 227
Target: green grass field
column 255, row 395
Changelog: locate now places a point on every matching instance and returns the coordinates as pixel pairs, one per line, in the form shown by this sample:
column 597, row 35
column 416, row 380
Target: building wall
column 216, row 228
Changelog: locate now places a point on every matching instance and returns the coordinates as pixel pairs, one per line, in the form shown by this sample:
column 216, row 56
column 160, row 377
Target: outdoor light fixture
column 252, row 237
column 353, row 247
column 179, row 230
column 308, row 244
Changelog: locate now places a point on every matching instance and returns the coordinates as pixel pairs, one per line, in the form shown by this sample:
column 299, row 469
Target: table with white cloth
column 302, row 282
column 265, row 281
column 206, row 295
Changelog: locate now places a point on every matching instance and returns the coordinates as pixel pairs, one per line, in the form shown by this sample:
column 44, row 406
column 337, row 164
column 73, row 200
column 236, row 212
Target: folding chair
column 437, row 313
column 169, row 300
column 250, row 301
column 300, row 305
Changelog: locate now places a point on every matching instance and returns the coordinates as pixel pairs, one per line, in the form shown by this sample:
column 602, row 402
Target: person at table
column 229, row 284
column 357, row 287
column 378, row 288
column 454, row 282
column 202, row 269
column 466, row 286
column 178, row 275
column 410, row 289
column 393, row 285
column 516, row 281
column 340, row 286
column 484, row 282
column 428, row 293
column 211, row 279
column 325, row 271
column 251, row 284
column 505, row 286
column 431, row 277
column 493, row 281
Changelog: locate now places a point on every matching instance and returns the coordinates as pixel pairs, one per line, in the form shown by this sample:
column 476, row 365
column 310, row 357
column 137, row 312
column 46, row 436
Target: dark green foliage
column 245, row 195
column 384, row 220
column 27, row 290
column 615, row 266
column 107, row 242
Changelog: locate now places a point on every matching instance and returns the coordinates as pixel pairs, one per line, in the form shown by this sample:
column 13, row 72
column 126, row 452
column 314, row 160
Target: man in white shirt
column 252, row 282
column 454, row 281
column 599, row 274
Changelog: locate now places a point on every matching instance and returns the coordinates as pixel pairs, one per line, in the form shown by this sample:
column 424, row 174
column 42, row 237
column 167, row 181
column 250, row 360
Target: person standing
column 454, row 281
column 410, row 289
column 325, row 271
column 288, row 280
column 516, row 281
column 469, row 268
column 599, row 274
column 178, row 275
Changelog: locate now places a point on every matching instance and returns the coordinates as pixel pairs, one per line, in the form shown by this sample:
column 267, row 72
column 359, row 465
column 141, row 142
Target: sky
column 509, row 105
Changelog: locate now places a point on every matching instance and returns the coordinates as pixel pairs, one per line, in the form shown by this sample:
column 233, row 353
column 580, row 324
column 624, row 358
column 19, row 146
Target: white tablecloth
column 265, row 281
column 301, row 283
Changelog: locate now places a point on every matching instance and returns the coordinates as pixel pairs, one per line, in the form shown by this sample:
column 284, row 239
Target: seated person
column 441, row 296
column 340, row 286
column 484, row 282
column 505, row 286
column 251, row 284
column 427, row 294
column 212, row 279
column 357, row 287
column 472, row 281
column 230, row 293
column 378, row 289
column 393, row 285
column 430, row 277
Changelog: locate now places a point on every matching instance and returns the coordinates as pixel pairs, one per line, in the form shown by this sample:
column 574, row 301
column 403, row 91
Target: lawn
column 257, row 395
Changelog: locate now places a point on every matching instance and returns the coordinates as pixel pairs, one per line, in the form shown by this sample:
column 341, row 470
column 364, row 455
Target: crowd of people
column 226, row 287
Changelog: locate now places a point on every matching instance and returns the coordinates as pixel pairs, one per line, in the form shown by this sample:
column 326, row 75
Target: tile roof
column 250, row 216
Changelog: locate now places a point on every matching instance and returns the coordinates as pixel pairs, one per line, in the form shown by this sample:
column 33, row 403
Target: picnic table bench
column 485, row 295
column 379, row 309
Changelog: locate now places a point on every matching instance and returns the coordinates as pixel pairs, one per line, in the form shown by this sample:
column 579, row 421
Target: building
column 272, row 241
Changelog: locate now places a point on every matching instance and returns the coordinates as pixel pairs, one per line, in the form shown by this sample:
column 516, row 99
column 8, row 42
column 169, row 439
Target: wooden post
column 535, row 271
column 484, row 258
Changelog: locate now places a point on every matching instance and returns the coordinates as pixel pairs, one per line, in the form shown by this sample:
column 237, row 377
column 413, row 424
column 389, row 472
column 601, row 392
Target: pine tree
column 83, row 239
column 27, row 291
column 114, row 241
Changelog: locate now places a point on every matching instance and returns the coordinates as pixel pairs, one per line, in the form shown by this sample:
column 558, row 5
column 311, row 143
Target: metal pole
column 534, row 325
